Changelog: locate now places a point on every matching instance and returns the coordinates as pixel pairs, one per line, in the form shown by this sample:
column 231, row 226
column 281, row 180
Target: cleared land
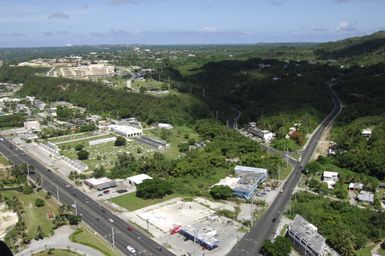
column 35, row 216
column 104, row 153
column 174, row 137
column 131, row 202
column 84, row 236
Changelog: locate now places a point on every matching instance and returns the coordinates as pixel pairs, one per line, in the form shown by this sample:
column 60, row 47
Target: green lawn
column 84, row 236
column 149, row 84
column 366, row 251
column 131, row 202
column 3, row 161
column 35, row 216
column 381, row 251
column 283, row 230
column 56, row 252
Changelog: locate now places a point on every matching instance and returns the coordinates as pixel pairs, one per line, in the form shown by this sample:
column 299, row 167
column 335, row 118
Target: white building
column 100, row 183
column 367, row 133
column 138, row 179
column 39, row 105
column 165, row 126
column 126, row 131
column 330, row 178
column 366, row 197
column 307, row 241
column 264, row 135
column 32, row 125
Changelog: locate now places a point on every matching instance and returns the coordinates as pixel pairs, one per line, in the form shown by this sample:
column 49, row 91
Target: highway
column 252, row 242
column 92, row 213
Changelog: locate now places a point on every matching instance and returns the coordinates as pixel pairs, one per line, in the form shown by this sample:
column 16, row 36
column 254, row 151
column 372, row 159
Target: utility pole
column 251, row 211
column 27, row 170
column 41, row 180
column 216, row 114
column 57, row 193
column 76, row 208
column 287, row 158
column 113, row 236
column 203, row 92
column 195, row 235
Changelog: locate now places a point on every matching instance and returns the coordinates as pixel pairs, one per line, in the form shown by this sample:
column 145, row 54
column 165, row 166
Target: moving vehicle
column 131, row 249
column 281, row 190
column 110, row 220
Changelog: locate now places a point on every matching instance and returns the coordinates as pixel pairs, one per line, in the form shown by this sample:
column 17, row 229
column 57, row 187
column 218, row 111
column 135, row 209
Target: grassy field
column 104, row 153
column 174, row 136
column 131, row 202
column 366, row 251
column 69, row 137
column 149, row 84
column 35, row 216
column 3, row 161
column 56, row 252
column 84, row 236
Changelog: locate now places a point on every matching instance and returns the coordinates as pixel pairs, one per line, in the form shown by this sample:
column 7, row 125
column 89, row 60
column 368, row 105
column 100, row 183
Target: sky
column 25, row 23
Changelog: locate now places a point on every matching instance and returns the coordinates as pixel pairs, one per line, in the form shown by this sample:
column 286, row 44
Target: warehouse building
column 264, row 135
column 126, row 131
column 138, row 179
column 159, row 144
column 306, row 239
column 100, row 183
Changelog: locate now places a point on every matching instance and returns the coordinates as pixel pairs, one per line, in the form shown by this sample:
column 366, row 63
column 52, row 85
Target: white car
column 111, row 220
column 131, row 249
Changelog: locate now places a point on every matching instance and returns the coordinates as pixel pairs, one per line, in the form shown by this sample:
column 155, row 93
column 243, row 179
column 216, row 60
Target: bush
column 83, row 154
column 39, row 202
column 154, row 188
column 280, row 247
column 221, row 192
column 120, row 141
column 79, row 147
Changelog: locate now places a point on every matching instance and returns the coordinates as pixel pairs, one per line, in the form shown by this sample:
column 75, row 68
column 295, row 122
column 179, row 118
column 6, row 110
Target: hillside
column 365, row 50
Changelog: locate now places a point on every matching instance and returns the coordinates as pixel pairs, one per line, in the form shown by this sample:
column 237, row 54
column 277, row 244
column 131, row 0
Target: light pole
column 76, row 208
column 113, row 236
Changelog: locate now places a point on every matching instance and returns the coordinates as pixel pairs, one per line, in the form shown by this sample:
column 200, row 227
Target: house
column 330, row 178
column 306, row 239
column 165, row 126
column 39, row 105
column 264, row 135
column 365, row 197
column 367, row 133
column 138, row 179
column 356, row 186
column 32, row 125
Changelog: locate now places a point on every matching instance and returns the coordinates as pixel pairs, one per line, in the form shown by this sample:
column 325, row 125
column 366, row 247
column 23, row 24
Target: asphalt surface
column 95, row 215
column 252, row 242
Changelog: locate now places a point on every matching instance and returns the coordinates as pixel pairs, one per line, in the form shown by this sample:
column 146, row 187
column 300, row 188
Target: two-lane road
column 252, row 242
column 92, row 213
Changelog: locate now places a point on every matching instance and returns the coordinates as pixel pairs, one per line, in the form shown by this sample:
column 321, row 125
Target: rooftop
column 98, row 181
column 308, row 232
column 137, row 179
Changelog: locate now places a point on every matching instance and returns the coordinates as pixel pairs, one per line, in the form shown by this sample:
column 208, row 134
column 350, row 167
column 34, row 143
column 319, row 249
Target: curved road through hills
column 252, row 242
column 94, row 214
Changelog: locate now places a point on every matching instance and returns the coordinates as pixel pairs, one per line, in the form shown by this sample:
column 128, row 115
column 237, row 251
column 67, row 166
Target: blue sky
column 58, row 22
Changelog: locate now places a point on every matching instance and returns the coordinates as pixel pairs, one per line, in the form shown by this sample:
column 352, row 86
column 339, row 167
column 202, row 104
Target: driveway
column 60, row 240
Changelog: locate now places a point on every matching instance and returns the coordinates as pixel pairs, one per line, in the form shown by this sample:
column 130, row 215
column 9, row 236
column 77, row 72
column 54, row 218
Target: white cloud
column 58, row 15
column 345, row 26
column 209, row 29
column 120, row 2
